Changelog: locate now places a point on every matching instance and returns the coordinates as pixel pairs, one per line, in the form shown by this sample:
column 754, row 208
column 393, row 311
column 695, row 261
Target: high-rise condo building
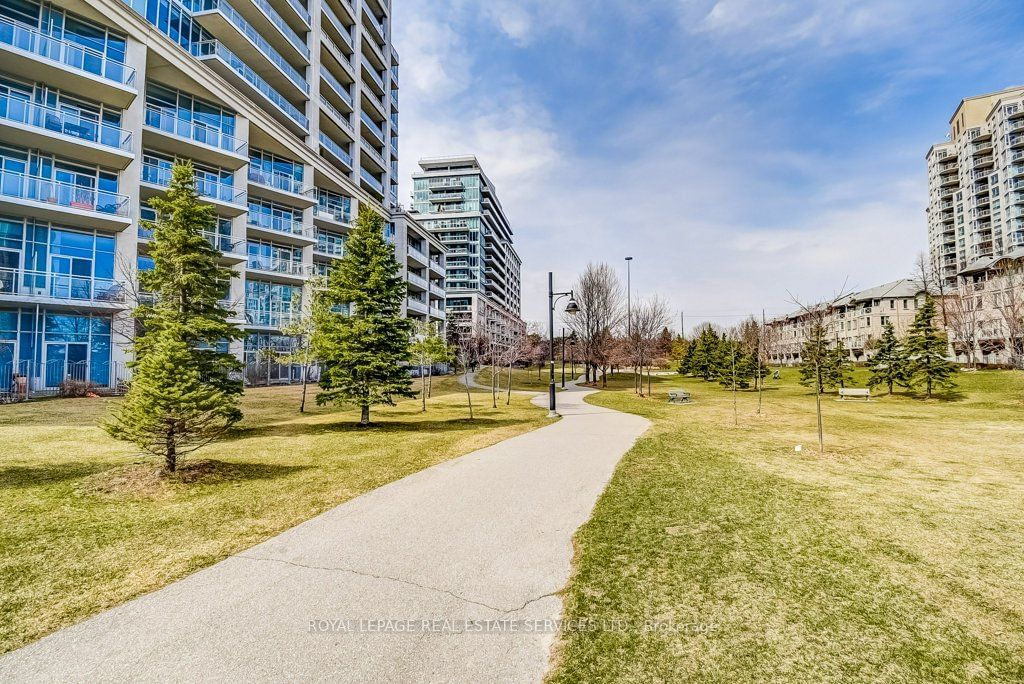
column 976, row 186
column 287, row 108
column 456, row 201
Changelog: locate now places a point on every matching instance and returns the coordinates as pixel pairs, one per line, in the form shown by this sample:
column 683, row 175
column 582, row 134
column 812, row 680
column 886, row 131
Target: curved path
column 485, row 537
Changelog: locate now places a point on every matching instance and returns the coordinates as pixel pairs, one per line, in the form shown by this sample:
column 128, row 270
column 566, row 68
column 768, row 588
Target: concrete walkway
column 485, row 537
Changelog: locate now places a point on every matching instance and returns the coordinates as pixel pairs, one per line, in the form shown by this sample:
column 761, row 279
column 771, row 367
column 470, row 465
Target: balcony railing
column 283, row 26
column 372, row 125
column 373, row 72
column 417, row 253
column 374, row 152
column 379, row 25
column 240, row 23
column 218, row 241
column 343, row 91
column 342, row 120
column 65, row 123
column 335, row 149
column 337, row 23
column 65, row 53
column 205, row 135
column 333, row 249
column 214, row 48
column 270, row 319
column 222, row 192
column 279, row 224
column 32, row 188
column 44, row 284
column 275, row 179
column 283, row 266
column 332, row 213
column 374, row 182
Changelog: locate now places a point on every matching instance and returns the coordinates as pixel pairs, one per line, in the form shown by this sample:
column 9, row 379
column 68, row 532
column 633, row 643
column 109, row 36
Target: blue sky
column 739, row 150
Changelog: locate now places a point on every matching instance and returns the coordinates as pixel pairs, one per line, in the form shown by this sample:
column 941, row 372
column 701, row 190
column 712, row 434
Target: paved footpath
column 487, row 536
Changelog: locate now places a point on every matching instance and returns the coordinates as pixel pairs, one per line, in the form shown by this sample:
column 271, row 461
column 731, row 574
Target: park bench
column 678, row 396
column 854, row 393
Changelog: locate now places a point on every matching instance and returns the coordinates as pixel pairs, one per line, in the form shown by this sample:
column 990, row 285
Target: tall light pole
column 570, row 308
column 629, row 304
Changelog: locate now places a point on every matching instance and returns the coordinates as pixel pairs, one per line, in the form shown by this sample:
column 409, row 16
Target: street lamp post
column 563, row 358
column 570, row 308
column 629, row 305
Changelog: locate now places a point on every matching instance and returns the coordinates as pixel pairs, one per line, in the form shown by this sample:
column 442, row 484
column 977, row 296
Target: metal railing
column 283, row 26
column 338, row 24
column 161, row 175
column 23, row 380
column 372, row 180
column 279, row 224
column 335, row 149
column 219, row 241
column 168, row 123
column 342, row 120
column 33, row 188
column 270, row 319
column 336, row 85
column 329, row 248
column 275, row 179
column 214, row 48
column 46, row 284
column 373, row 151
column 373, row 72
column 65, row 123
column 65, row 53
column 372, row 125
column 332, row 213
column 283, row 266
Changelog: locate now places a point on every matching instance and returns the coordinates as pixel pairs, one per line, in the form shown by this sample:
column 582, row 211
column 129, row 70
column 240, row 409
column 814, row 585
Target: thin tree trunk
column 423, row 387
column 171, row 456
column 430, row 380
column 508, row 397
column 469, row 396
column 817, row 399
column 305, row 376
column 364, row 417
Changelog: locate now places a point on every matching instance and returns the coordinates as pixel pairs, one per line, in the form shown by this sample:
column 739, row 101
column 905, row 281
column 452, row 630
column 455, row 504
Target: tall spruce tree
column 360, row 353
column 838, row 372
column 926, row 352
column 707, row 355
column 889, row 364
column 185, row 385
column 816, row 360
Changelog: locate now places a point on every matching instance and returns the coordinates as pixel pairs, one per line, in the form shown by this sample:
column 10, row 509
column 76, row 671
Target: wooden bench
column 854, row 393
column 678, row 396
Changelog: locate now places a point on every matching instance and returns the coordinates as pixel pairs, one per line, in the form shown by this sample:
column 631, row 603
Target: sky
column 745, row 153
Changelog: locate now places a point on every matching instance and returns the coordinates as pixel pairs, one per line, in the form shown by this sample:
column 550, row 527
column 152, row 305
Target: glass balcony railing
column 283, row 266
column 244, row 27
column 270, row 319
column 168, row 123
column 283, row 26
column 222, row 192
column 45, row 284
column 335, row 149
column 343, row 91
column 373, row 71
column 65, row 123
column 333, row 249
column 218, row 241
column 372, row 150
column 279, row 224
column 275, row 179
column 32, row 188
column 338, row 25
column 342, row 120
column 332, row 213
column 214, row 48
column 372, row 125
column 65, row 53
column 300, row 10
column 372, row 180
column 377, row 24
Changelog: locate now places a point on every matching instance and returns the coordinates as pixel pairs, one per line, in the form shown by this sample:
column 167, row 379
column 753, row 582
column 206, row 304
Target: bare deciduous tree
column 1008, row 300
column 648, row 318
column 599, row 297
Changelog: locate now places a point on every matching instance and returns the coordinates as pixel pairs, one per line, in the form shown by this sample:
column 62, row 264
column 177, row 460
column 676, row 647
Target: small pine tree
column 362, row 353
column 185, row 387
column 838, row 372
column 926, row 352
column 889, row 364
column 707, row 355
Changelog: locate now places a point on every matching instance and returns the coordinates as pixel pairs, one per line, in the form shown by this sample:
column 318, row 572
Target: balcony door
column 10, row 260
column 66, row 360
column 70, row 277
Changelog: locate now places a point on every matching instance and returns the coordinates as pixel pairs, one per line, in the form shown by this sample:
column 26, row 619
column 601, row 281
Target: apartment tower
column 456, row 201
column 976, row 186
column 287, row 108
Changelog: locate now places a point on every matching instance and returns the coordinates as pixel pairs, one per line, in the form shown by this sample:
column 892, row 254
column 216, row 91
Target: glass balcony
column 270, row 319
column 215, row 190
column 23, row 187
column 332, row 213
column 283, row 26
column 372, row 181
column 336, row 149
column 279, row 224
column 281, row 266
column 333, row 249
column 275, row 179
column 373, row 71
column 44, row 284
column 372, row 125
column 208, row 49
column 338, row 26
column 342, row 120
column 205, row 135
column 343, row 91
column 68, row 55
column 65, row 123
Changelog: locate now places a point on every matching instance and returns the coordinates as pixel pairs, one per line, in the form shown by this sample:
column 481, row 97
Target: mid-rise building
column 455, row 200
column 857, row 321
column 423, row 258
column 287, row 108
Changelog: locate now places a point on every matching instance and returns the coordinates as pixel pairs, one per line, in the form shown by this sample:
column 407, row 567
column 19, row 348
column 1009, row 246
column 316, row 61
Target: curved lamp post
column 571, row 308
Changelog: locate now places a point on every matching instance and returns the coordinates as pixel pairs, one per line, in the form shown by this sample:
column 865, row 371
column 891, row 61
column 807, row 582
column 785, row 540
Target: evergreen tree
column 185, row 384
column 889, row 364
column 361, row 353
column 838, row 372
column 706, row 357
column 926, row 352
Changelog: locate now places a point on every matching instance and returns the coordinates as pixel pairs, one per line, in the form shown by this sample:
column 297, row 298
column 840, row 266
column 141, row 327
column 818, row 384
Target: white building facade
column 287, row 108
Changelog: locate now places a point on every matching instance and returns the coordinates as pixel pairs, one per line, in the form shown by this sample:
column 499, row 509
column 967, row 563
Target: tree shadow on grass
column 293, row 429
column 13, row 477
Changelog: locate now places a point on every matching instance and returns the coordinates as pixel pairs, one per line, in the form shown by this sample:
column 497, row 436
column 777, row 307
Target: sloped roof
column 905, row 287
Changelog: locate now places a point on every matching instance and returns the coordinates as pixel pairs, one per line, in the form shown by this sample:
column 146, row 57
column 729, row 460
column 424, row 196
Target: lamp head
column 572, row 307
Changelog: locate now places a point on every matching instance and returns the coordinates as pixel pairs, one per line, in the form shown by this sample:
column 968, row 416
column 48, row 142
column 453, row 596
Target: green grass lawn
column 86, row 525
column 896, row 556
